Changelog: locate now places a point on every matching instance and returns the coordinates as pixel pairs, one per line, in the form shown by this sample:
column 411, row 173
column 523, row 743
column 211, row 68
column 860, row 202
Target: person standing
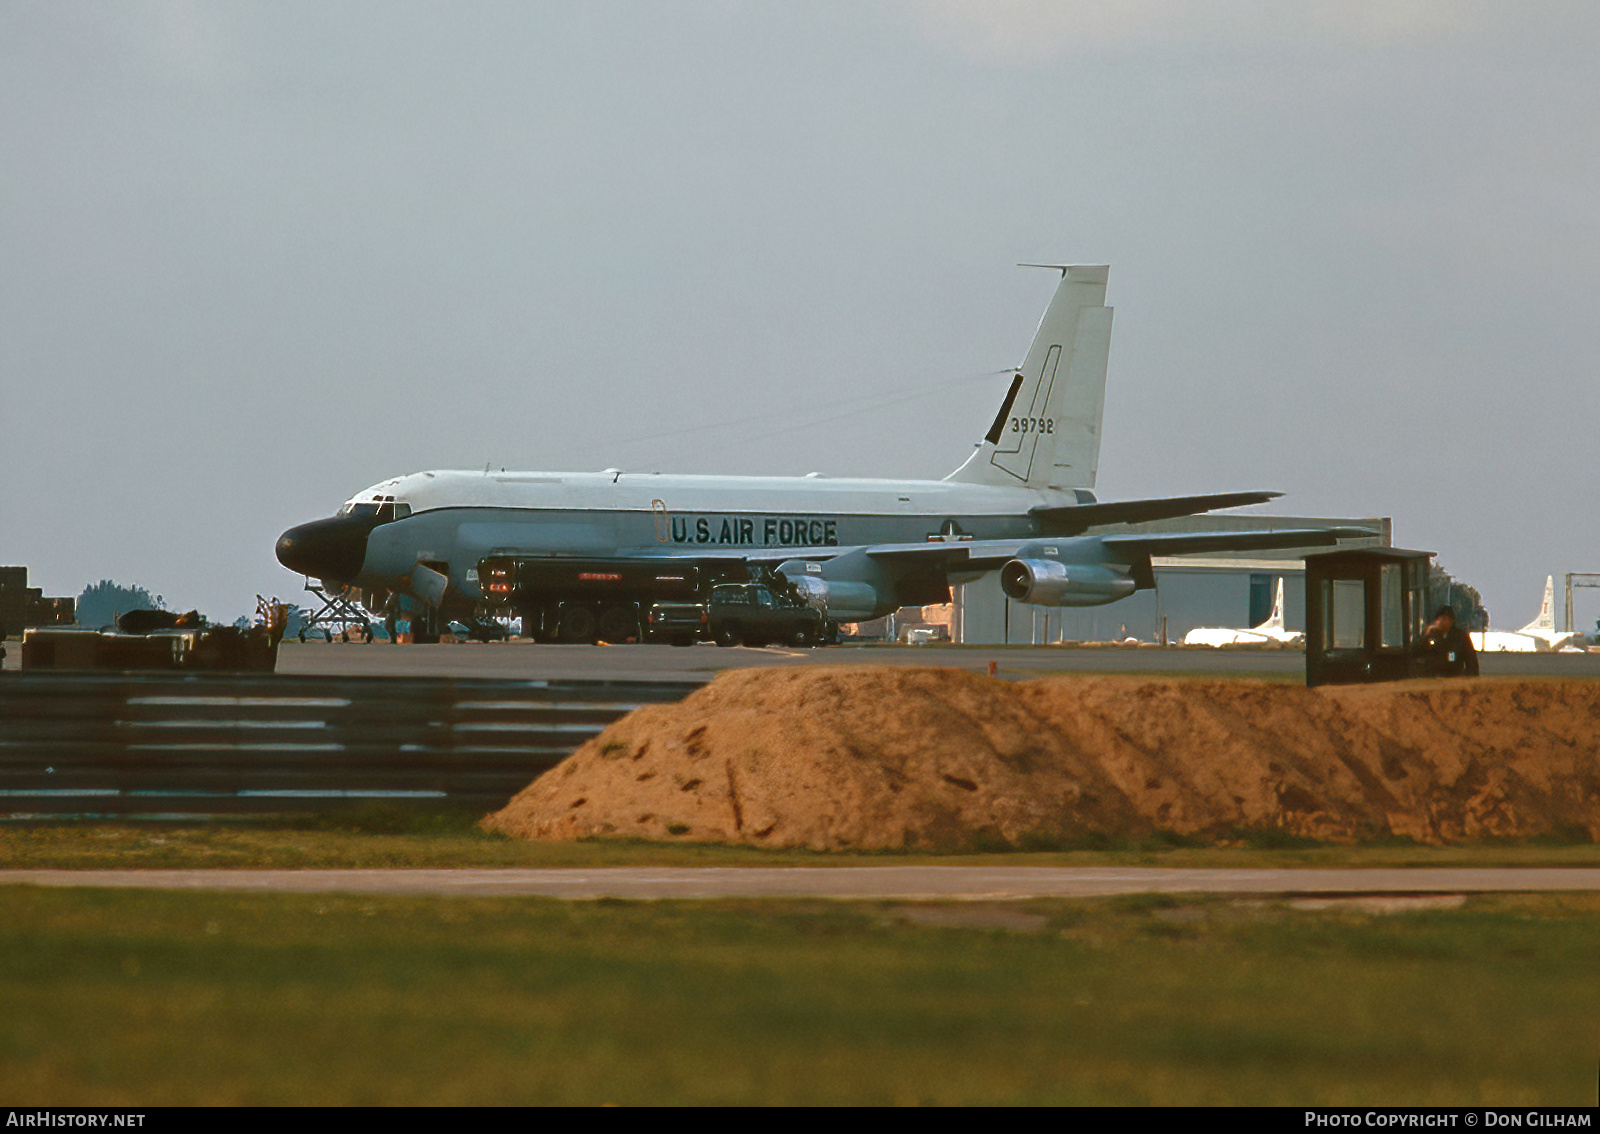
column 1446, row 649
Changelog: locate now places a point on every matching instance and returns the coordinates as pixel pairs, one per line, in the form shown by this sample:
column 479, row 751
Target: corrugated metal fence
column 104, row 744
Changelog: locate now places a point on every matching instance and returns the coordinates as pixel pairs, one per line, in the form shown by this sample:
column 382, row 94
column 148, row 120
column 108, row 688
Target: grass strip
column 394, row 838
column 139, row 998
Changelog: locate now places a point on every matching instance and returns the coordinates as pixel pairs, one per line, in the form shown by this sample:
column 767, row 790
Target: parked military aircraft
column 578, row 555
column 1272, row 630
column 1538, row 636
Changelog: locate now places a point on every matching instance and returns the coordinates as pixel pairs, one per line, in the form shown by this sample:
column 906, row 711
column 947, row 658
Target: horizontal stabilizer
column 1070, row 519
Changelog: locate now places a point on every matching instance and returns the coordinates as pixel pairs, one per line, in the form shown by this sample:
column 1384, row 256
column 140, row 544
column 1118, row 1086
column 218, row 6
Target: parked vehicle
column 754, row 614
column 681, row 623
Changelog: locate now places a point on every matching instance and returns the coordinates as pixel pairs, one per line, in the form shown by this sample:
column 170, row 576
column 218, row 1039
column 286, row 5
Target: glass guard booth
column 1366, row 609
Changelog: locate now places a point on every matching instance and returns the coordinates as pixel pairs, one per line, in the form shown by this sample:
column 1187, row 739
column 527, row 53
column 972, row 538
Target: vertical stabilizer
column 1047, row 434
column 1547, row 610
column 1275, row 619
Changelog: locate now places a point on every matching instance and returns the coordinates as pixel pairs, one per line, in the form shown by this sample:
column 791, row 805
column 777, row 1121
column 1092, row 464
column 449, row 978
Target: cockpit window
column 381, row 508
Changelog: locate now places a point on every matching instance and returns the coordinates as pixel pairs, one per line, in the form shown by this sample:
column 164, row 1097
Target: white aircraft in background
column 582, row 555
column 1269, row 631
column 1538, row 636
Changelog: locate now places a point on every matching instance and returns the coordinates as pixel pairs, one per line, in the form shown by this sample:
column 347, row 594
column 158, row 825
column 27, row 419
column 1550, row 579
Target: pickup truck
column 755, row 613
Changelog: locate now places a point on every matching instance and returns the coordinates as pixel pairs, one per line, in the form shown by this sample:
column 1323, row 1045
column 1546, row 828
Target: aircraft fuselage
column 568, row 548
column 448, row 521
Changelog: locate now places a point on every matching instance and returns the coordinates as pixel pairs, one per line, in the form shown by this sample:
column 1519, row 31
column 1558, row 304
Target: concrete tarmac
column 923, row 883
column 655, row 662
column 533, row 661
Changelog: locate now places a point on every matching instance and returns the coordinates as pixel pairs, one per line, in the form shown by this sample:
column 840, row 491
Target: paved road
column 527, row 659
column 644, row 663
column 648, row 663
column 960, row 883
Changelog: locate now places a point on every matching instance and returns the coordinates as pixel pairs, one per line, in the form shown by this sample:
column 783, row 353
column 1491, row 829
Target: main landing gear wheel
column 577, row 624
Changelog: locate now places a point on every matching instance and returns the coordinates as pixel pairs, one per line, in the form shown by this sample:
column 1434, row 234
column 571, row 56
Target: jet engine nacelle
column 1049, row 582
column 842, row 600
column 839, row 601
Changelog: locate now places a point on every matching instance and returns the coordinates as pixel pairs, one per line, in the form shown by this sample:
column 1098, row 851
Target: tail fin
column 1047, row 434
column 1275, row 619
column 1547, row 609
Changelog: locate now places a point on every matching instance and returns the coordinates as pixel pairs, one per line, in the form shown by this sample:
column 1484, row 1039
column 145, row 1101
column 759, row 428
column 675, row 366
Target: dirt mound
column 837, row 758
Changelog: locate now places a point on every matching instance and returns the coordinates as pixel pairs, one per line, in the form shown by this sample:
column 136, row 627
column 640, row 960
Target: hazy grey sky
column 257, row 256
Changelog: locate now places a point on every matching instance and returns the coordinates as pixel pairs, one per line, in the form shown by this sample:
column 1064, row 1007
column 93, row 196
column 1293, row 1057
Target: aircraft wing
column 866, row 581
column 1071, row 519
column 1190, row 543
column 1086, row 570
column 990, row 554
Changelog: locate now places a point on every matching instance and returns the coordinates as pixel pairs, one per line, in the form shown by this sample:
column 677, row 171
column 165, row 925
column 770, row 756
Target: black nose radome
column 333, row 548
